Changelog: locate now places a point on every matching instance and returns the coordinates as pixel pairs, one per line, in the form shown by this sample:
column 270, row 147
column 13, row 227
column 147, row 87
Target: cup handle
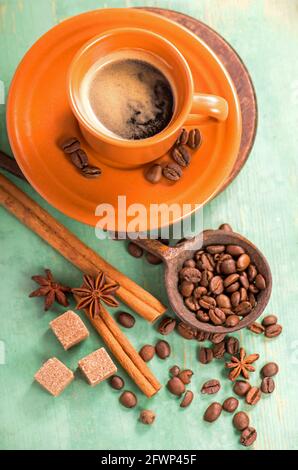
column 206, row 107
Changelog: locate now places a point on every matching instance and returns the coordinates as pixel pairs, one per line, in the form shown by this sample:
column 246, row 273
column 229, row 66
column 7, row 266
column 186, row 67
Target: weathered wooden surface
column 261, row 203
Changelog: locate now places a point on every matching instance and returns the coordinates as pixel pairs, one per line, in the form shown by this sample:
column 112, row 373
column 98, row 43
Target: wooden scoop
column 174, row 257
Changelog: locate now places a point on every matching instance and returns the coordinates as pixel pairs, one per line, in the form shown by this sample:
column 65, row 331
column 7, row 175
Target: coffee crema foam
column 131, row 98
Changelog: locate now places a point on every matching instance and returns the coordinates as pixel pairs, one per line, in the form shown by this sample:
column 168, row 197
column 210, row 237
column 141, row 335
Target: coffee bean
column 153, row 173
column 186, row 288
column 233, row 288
column 217, row 338
column 192, row 303
column 79, row 159
column 232, row 345
column 206, row 262
column 153, row 259
column 231, row 279
column 241, row 420
column 216, row 285
column 223, row 301
column 269, row 320
column 199, row 292
column 260, row 282
column 273, row 330
column 243, row 262
column 166, row 326
column 230, row 404
column 202, row 316
column 202, row 335
column 231, row 321
column 183, row 137
column 172, row 171
column 135, row 250
column 206, row 278
column 190, row 275
column 248, row 436
column 189, row 263
column 176, row 386
column 228, row 266
column 235, row 299
column 253, row 396
column 256, row 328
column 147, row 352
column 219, row 350
column 181, row 155
column 187, row 399
column 174, row 371
column 267, row 385
column 205, row 355
column 215, row 249
column 207, row 302
column 226, row 227
column 186, row 331
column 243, row 309
column 243, row 294
column 253, row 289
column 194, row 139
column 251, row 299
column 251, row 272
column 91, row 171
column 147, row 417
column 163, row 349
column 270, row 369
column 116, row 382
column 185, row 376
column 213, row 412
column 235, row 250
column 241, row 388
column 217, row 316
column 227, row 311
column 210, row 387
column 244, row 280
column 128, row 399
column 125, row 319
column 70, row 145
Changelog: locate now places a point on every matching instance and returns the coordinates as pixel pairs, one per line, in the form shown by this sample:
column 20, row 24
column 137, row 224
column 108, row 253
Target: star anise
column 50, row 289
column 94, row 291
column 241, row 365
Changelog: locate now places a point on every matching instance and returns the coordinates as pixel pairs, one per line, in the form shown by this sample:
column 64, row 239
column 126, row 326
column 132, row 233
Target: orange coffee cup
column 190, row 107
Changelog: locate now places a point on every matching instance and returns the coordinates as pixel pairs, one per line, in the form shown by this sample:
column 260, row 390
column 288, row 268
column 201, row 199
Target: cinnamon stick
column 75, row 251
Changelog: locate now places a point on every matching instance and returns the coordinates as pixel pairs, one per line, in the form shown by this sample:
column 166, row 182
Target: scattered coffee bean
column 153, row 173
column 241, row 388
column 185, row 376
column 174, row 371
column 248, row 436
column 181, row 155
column 269, row 320
column 256, row 328
column 270, row 369
column 116, row 382
column 213, row 412
column 183, row 137
column 226, row 227
column 163, row 349
column 128, row 399
column 202, row 335
column 253, row 396
column 176, row 386
column 232, row 321
column 172, row 171
column 166, row 326
column 219, row 350
column 147, row 352
column 241, row 420
column 79, row 159
column 91, row 171
column 147, row 417
column 71, row 145
column 217, row 338
column 273, row 330
column 187, row 399
column 267, row 385
column 205, row 355
column 126, row 319
column 135, row 250
column 194, row 139
column 232, row 345
column 230, row 404
column 153, row 259
column 210, row 387
column 186, row 331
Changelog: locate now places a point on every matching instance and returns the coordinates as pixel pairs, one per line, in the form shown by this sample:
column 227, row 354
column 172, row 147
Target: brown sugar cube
column 97, row 366
column 69, row 329
column 54, row 376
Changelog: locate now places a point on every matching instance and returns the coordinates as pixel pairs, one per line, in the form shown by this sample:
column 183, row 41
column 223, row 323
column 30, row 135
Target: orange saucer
column 38, row 115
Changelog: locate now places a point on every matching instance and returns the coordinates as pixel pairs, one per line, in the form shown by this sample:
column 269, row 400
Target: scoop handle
column 157, row 248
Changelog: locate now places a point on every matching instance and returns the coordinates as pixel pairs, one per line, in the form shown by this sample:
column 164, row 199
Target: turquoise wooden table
column 261, row 203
